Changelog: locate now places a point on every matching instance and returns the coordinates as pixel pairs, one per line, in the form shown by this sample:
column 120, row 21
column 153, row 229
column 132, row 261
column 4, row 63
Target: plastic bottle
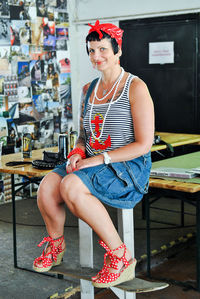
column 26, row 144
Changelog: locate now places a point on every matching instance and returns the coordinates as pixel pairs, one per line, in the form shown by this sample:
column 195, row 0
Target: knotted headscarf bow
column 110, row 29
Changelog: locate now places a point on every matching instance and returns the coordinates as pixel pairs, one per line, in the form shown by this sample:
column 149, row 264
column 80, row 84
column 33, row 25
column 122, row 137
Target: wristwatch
column 107, row 158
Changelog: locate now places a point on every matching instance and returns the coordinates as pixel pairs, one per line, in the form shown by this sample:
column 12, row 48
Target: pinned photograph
column 5, row 68
column 39, row 103
column 1, row 85
column 25, row 52
column 27, row 112
column 15, row 51
column 13, row 109
column 41, row 8
column 20, row 32
column 37, row 32
column 62, row 33
column 25, row 33
column 61, row 45
column 52, row 75
column 4, row 31
column 4, row 8
column 10, row 87
column 24, row 94
column 61, row 38
column 61, row 18
column 18, row 12
column 4, row 52
column 24, row 73
column 37, row 52
column 12, row 131
column 35, row 70
column 64, row 61
column 50, row 13
column 52, row 3
column 62, row 4
column 32, row 12
column 65, row 86
column 46, row 131
column 3, row 127
column 48, row 27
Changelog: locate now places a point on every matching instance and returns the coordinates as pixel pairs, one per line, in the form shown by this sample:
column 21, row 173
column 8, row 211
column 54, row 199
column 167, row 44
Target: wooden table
column 175, row 139
column 186, row 191
column 32, row 174
column 27, row 169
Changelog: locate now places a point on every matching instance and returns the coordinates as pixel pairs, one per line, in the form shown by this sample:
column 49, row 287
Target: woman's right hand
column 72, row 163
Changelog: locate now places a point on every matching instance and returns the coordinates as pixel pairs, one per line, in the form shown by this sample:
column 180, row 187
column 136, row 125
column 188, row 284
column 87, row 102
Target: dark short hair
column 94, row 36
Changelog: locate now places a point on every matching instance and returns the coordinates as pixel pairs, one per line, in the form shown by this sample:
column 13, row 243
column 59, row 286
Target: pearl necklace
column 97, row 86
column 104, row 90
column 90, row 117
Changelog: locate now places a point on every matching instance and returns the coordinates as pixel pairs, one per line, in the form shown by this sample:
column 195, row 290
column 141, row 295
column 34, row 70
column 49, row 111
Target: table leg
column 182, row 213
column 143, row 207
column 198, row 242
column 147, row 212
column 14, row 221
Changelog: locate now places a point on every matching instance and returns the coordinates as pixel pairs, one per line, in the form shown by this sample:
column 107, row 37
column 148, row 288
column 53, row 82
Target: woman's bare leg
column 88, row 208
column 51, row 205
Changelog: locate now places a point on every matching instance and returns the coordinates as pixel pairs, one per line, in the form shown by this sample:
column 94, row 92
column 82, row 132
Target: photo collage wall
column 35, row 89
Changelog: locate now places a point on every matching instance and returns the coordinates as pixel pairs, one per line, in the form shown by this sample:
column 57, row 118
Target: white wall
column 123, row 9
column 83, row 11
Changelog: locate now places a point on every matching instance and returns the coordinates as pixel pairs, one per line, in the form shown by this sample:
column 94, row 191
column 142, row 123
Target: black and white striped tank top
column 118, row 127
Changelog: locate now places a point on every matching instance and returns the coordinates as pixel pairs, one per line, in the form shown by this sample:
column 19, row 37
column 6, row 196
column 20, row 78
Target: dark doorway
column 174, row 86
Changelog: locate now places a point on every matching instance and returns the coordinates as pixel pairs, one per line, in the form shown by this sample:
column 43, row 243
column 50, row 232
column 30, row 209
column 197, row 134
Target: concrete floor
column 177, row 262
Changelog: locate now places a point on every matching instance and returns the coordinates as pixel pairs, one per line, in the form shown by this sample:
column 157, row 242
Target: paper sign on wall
column 161, row 53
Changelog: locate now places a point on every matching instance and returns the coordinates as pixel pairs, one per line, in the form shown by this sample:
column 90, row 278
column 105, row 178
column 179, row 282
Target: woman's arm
column 143, row 119
column 81, row 138
column 80, row 143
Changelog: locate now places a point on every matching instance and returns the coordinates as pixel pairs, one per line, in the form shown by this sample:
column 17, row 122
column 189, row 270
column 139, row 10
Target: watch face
column 107, row 158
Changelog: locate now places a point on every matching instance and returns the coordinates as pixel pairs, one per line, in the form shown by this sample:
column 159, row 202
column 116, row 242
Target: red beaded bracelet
column 77, row 151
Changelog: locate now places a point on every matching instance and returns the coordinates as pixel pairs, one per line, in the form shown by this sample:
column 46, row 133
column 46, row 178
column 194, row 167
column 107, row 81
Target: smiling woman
column 110, row 164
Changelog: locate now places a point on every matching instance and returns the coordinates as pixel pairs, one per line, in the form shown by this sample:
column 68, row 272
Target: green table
column 186, row 190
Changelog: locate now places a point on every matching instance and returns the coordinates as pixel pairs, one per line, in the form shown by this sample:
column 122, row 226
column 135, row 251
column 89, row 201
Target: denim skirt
column 120, row 184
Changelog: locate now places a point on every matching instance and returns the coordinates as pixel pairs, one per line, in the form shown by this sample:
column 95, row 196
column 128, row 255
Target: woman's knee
column 49, row 187
column 71, row 189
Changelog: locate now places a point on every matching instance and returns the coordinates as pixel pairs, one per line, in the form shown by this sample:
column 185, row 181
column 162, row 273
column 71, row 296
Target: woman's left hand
column 88, row 162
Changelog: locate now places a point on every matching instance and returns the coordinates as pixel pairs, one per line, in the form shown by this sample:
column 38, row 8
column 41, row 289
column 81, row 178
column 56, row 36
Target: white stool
column 126, row 232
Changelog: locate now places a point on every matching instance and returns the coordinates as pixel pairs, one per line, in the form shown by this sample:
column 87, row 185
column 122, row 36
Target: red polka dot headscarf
column 110, row 29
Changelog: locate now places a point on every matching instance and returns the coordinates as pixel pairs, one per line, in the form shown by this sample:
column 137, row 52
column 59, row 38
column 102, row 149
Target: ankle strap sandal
column 104, row 278
column 49, row 258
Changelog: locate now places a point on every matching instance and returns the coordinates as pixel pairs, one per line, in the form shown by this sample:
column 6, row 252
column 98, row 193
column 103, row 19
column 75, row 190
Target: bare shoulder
column 138, row 84
column 138, row 90
column 85, row 88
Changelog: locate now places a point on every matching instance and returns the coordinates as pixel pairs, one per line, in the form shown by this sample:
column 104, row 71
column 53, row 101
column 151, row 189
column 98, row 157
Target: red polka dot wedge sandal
column 51, row 256
column 107, row 277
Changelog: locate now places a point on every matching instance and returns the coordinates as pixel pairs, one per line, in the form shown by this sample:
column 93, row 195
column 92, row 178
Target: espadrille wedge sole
column 106, row 278
column 54, row 257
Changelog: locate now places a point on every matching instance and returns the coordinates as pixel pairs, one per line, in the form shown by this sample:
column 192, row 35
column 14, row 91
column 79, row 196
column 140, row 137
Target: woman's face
column 101, row 54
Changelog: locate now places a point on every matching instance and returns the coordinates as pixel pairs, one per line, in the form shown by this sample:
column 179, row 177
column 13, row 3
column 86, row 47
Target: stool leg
column 126, row 228
column 87, row 289
column 85, row 244
column 86, row 257
column 130, row 295
column 119, row 293
column 122, row 294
